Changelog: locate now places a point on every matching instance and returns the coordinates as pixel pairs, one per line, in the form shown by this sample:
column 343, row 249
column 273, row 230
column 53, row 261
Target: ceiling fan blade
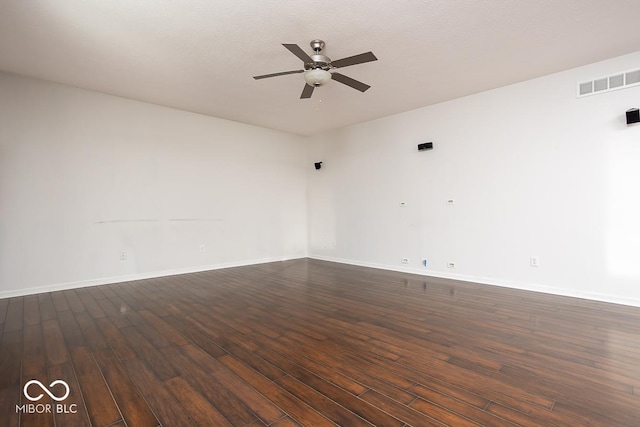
column 307, row 91
column 353, row 60
column 297, row 51
column 284, row 73
column 349, row 82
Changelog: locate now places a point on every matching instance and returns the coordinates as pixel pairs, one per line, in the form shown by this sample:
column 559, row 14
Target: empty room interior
column 304, row 213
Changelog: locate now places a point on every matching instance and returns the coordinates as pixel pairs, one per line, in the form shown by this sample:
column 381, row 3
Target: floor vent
column 609, row 83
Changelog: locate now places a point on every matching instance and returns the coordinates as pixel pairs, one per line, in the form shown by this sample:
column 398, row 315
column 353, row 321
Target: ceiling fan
column 317, row 68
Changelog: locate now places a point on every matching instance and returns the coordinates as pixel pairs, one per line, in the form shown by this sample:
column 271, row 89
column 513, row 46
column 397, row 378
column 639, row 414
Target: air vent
column 609, row 83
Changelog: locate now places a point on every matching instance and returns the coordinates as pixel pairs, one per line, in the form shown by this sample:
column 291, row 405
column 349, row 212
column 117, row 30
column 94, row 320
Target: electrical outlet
column 202, row 249
column 405, row 260
column 534, row 261
column 451, row 202
column 123, row 256
column 451, row 264
column 403, row 204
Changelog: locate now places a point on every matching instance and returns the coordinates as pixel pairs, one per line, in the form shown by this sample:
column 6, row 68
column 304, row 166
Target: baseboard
column 140, row 276
column 615, row 299
column 593, row 296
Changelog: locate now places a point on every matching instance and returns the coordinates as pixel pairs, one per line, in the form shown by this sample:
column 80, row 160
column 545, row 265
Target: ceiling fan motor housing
column 319, row 61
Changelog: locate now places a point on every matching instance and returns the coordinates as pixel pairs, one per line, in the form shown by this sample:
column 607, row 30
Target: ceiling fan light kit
column 317, row 77
column 317, row 68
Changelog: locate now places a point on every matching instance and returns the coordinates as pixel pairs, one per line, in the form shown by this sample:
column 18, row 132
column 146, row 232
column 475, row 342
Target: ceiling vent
column 609, row 83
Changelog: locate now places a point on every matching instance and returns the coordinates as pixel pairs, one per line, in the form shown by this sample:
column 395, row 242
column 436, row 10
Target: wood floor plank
column 90, row 331
column 146, row 351
column 413, row 416
column 226, row 402
column 113, row 313
column 132, row 406
column 59, row 302
column 101, row 407
column 163, row 328
column 293, row 406
column 127, row 293
column 11, row 353
column 114, row 338
column 597, row 415
column 75, row 303
column 43, row 418
column 534, row 417
column 4, row 304
column 150, row 333
column 31, row 310
column 258, row 404
column 353, row 403
column 285, row 422
column 330, row 409
column 74, row 413
column 47, row 309
column 196, row 405
column 34, row 367
column 312, row 343
column 96, row 293
column 14, row 319
column 435, row 391
column 72, row 333
column 54, row 342
column 460, row 408
column 332, row 374
column 34, row 361
column 542, row 379
column 193, row 335
column 168, row 410
column 89, row 303
column 345, row 356
column 230, row 344
column 354, row 378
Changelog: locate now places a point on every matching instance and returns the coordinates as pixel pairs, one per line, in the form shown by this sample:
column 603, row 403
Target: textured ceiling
column 200, row 55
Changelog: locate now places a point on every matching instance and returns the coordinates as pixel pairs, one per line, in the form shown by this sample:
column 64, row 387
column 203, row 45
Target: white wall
column 532, row 169
column 85, row 176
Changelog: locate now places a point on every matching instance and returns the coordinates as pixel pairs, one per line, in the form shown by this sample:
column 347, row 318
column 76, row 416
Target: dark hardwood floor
column 312, row 343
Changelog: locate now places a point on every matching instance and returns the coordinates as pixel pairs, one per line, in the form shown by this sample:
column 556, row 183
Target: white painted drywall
column 532, row 170
column 85, row 176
